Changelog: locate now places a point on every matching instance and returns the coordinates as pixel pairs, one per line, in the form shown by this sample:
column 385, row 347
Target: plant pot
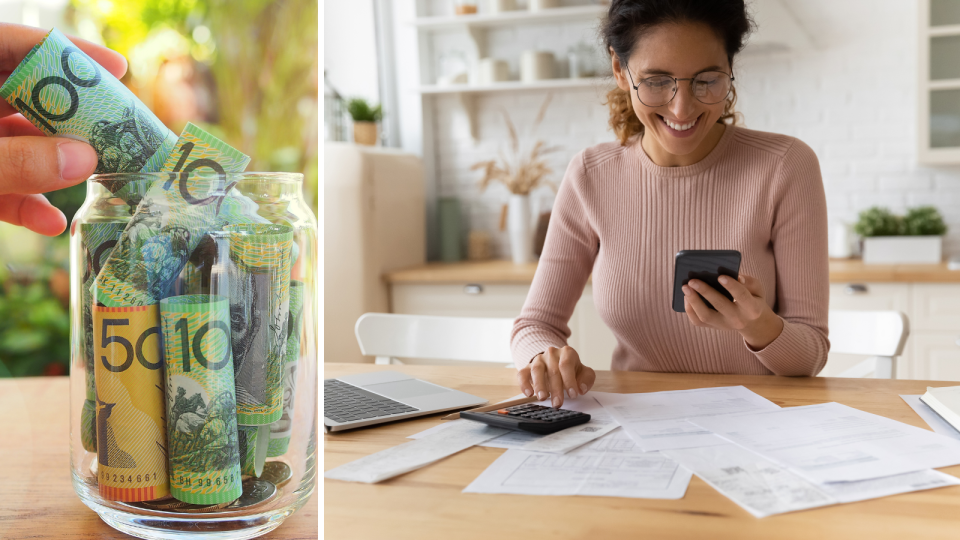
column 519, row 229
column 902, row 249
column 365, row 133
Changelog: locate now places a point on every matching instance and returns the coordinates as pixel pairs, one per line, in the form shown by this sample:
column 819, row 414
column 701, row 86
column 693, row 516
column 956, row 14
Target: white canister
column 491, row 70
column 537, row 5
column 499, row 6
column 536, row 66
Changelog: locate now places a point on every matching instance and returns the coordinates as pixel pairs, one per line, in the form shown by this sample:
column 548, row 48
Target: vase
column 365, row 133
column 519, row 227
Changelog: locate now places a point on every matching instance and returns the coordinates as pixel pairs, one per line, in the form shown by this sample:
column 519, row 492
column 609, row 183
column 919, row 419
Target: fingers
column 752, row 284
column 739, row 291
column 538, row 375
column 706, row 315
column 569, row 361
column 688, row 309
column 33, row 212
column 16, row 41
column 587, row 378
column 556, row 379
column 723, row 305
column 42, row 164
column 524, row 381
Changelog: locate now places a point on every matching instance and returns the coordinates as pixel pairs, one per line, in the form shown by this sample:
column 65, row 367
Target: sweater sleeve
column 569, row 252
column 799, row 240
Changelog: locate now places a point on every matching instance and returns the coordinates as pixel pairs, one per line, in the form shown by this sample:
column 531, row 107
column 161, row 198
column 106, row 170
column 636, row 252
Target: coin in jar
column 203, row 508
column 255, row 492
column 277, row 473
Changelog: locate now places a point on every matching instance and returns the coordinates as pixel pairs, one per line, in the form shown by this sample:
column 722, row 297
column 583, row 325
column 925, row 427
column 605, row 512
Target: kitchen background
column 873, row 86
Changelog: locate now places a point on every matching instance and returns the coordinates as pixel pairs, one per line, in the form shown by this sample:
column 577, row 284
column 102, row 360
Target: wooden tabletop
column 37, row 500
column 428, row 503
column 841, row 271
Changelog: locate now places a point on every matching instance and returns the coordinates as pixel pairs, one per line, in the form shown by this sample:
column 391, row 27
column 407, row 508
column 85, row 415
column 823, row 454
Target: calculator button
column 503, row 411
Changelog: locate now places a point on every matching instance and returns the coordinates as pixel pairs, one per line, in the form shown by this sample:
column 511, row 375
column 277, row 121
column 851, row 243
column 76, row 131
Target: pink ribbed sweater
column 623, row 218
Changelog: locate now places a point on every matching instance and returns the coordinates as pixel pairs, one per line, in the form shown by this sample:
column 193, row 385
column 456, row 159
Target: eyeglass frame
column 676, row 86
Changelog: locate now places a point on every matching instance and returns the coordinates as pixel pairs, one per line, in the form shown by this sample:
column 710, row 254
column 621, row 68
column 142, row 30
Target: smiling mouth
column 679, row 127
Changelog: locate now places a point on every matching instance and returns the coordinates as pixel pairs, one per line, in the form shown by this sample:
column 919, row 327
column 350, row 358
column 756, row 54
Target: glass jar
column 193, row 379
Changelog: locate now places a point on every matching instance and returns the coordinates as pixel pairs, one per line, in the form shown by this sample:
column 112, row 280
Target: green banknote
column 281, row 430
column 96, row 242
column 259, row 307
column 248, row 449
column 172, row 219
column 65, row 93
column 203, row 445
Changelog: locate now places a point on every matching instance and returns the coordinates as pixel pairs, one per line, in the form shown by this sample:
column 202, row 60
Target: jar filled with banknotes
column 194, row 350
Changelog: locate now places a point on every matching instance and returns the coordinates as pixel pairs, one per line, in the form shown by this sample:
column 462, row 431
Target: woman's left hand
column 748, row 313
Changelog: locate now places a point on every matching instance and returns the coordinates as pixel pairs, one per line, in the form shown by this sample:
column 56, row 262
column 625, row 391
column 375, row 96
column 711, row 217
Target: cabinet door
column 594, row 340
column 939, row 355
column 868, row 297
column 458, row 300
column 935, row 307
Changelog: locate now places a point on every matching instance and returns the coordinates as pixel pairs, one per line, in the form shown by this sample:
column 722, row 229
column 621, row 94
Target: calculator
column 530, row 417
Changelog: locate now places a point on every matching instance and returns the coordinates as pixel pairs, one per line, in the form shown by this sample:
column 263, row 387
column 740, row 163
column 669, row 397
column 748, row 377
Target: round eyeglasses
column 709, row 88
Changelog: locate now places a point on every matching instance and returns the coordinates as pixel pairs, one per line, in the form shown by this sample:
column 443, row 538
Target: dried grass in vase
column 520, row 174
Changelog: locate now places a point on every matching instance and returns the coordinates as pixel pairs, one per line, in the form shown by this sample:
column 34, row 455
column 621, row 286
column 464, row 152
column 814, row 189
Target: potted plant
column 916, row 237
column 365, row 118
column 521, row 174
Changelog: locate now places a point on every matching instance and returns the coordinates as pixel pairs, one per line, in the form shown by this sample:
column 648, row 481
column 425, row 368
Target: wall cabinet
column 932, row 350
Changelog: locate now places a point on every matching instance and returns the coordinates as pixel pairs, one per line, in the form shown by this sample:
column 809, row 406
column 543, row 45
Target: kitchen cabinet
column 938, row 112
column 928, row 294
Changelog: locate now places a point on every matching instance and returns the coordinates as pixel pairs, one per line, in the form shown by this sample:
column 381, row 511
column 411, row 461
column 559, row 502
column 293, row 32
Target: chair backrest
column 437, row 338
column 871, row 333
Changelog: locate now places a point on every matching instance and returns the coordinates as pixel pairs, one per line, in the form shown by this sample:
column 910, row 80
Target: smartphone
column 707, row 265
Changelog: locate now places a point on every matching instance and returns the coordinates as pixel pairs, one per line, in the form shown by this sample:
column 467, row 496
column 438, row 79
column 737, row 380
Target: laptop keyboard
column 344, row 402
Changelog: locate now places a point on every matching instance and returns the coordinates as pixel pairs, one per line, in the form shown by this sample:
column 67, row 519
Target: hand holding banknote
column 31, row 164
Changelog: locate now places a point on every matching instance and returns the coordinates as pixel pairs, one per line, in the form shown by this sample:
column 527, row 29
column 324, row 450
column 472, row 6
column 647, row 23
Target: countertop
column 37, row 501
column 499, row 271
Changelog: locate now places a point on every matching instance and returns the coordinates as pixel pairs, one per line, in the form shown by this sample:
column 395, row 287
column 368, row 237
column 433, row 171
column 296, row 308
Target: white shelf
column 944, row 30
column 515, row 86
column 512, row 18
column 944, row 84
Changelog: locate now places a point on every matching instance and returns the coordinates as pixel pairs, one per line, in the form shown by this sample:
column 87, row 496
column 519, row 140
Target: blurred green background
column 245, row 70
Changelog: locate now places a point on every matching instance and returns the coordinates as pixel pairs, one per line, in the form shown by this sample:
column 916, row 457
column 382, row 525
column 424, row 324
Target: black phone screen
column 707, row 265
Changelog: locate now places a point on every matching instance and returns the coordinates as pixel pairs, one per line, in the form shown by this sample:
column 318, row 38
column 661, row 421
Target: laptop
column 366, row 399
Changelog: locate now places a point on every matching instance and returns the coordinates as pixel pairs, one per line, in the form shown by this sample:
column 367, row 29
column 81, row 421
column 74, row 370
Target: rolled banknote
column 248, row 449
column 63, row 92
column 203, row 449
column 259, row 307
column 281, row 430
column 131, row 437
column 96, row 242
column 172, row 219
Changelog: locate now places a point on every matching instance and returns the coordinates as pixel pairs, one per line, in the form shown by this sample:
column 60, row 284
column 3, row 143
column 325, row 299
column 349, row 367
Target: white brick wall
column 852, row 98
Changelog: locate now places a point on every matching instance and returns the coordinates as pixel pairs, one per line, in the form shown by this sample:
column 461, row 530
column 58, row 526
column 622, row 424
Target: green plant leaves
column 919, row 221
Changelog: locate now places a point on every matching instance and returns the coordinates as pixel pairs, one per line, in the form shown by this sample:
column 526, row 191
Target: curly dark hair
column 628, row 20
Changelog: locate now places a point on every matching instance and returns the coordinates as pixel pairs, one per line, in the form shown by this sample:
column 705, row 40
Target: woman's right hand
column 553, row 372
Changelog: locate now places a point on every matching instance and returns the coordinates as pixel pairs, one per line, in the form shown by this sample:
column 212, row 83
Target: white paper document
column 763, row 488
column 414, row 454
column 562, row 441
column 931, row 417
column 611, row 466
column 657, row 420
column 835, row 443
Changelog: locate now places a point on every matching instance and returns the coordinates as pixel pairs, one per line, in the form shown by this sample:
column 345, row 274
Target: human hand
column 748, row 314
column 554, row 370
column 31, row 163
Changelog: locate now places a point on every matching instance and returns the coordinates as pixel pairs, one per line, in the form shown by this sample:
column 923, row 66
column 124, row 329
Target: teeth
column 680, row 127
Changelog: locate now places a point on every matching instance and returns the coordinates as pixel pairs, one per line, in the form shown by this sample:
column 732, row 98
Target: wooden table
column 428, row 503
column 37, row 500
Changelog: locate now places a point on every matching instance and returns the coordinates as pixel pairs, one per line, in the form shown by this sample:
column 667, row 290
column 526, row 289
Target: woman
column 682, row 176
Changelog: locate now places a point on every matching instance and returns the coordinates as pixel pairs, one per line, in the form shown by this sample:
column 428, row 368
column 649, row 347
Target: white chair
column 880, row 335
column 391, row 337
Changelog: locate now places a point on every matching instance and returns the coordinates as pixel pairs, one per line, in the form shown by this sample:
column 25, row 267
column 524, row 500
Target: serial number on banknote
column 129, row 478
column 184, row 481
